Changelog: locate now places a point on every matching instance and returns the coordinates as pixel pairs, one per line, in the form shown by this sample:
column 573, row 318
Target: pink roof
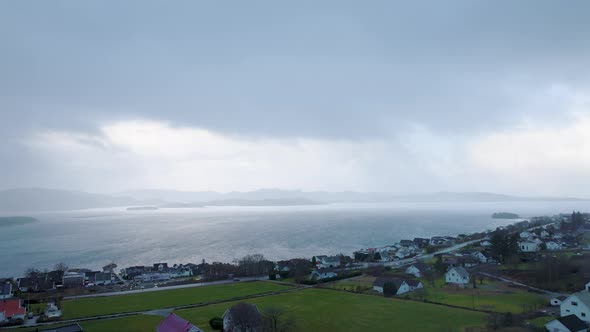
column 11, row 307
column 173, row 323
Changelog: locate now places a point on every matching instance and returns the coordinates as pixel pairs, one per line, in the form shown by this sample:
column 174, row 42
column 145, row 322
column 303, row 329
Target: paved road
column 164, row 288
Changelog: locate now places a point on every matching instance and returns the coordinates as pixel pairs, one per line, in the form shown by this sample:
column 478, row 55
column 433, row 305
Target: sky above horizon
column 109, row 96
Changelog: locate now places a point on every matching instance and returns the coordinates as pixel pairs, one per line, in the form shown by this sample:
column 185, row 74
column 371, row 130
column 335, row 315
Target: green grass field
column 492, row 296
column 314, row 309
column 328, row 310
column 162, row 299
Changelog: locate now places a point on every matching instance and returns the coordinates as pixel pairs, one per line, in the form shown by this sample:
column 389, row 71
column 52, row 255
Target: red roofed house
column 11, row 309
column 173, row 323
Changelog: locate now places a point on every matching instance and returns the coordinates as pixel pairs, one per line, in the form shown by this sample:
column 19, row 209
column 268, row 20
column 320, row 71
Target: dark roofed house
column 67, row 328
column 103, row 278
column 407, row 243
column 570, row 323
column 173, row 323
column 421, row 242
column 35, row 284
column 242, row 317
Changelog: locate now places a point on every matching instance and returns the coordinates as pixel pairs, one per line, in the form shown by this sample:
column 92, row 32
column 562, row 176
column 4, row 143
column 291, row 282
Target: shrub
column 216, row 323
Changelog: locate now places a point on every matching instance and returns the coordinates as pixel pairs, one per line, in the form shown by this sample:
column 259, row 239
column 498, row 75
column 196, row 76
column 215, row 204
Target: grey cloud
column 336, row 69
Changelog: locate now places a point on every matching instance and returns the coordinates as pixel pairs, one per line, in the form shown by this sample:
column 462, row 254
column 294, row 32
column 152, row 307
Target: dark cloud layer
column 336, row 70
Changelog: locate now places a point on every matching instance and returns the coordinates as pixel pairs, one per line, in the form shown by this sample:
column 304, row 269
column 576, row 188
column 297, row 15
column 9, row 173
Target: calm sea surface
column 92, row 238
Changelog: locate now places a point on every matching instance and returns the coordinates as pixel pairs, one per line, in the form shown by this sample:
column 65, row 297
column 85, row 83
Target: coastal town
column 543, row 262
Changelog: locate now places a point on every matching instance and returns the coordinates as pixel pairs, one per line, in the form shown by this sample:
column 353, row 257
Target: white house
column 525, row 234
column 323, row 274
column 485, row 243
column 528, row 246
column 557, row 301
column 327, row 261
column 552, row 245
column 570, row 323
column 577, row 304
column 544, row 233
column 401, row 285
column 480, row 256
column 417, row 269
column 457, row 275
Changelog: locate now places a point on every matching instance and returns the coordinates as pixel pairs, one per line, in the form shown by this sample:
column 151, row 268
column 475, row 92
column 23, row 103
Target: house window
column 574, row 303
column 583, row 314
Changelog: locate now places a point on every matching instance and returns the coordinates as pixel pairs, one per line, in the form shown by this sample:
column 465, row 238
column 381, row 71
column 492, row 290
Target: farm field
column 329, row 310
column 163, row 299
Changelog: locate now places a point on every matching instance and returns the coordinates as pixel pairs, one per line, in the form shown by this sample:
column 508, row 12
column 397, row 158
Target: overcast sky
column 106, row 96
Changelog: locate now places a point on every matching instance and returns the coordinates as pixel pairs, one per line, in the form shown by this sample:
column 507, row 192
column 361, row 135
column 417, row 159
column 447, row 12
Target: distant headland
column 505, row 215
column 13, row 221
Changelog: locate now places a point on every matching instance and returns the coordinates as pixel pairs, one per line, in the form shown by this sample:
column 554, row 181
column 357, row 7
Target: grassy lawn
column 492, row 296
column 328, row 310
column 540, row 321
column 162, row 299
column 358, row 284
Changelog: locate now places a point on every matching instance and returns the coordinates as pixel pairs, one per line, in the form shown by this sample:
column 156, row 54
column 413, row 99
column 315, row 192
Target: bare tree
column 276, row 319
column 243, row 317
column 32, row 272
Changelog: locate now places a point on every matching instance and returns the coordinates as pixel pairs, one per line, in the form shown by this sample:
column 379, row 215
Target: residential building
column 160, row 267
column 73, row 279
column 525, row 234
column 569, row 323
column 577, row 304
column 457, row 275
column 242, row 317
column 173, row 323
column 327, row 261
column 557, row 301
column 153, row 277
column 552, row 245
column 528, row 246
column 418, row 269
column 103, row 278
column 414, row 284
column 401, row 285
column 320, row 274
column 479, row 256
column 131, row 272
column 421, row 242
column 11, row 309
column 35, row 284
column 6, row 290
column 485, row 243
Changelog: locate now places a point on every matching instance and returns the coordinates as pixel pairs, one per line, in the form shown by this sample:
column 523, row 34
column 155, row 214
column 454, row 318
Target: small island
column 141, row 208
column 13, row 221
column 505, row 215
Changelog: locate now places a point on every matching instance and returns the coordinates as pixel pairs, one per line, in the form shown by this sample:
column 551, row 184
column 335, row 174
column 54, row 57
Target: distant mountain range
column 40, row 199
